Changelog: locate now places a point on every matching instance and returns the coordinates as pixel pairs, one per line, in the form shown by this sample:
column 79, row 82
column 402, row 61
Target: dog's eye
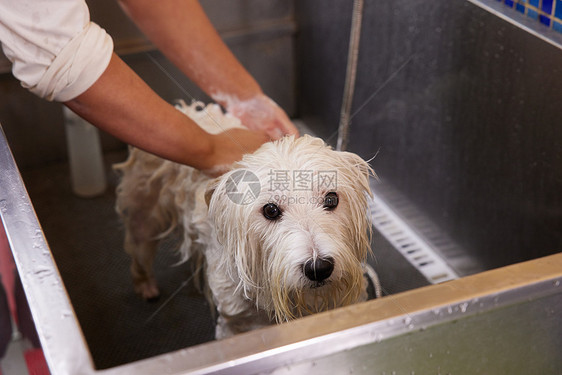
column 330, row 201
column 271, row 211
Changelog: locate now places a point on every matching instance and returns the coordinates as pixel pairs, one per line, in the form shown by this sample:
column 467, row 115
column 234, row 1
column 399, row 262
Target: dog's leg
column 250, row 320
column 142, row 228
column 142, row 254
column 237, row 314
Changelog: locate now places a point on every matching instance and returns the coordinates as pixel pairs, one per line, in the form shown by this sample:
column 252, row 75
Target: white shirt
column 56, row 52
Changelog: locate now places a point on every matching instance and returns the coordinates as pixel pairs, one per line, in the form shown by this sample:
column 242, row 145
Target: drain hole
column 425, row 263
column 439, row 276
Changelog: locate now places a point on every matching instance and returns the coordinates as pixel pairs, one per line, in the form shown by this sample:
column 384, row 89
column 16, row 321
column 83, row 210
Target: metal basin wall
column 460, row 108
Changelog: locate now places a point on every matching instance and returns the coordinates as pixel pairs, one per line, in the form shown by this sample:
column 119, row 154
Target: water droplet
column 378, row 337
column 47, row 333
column 42, row 271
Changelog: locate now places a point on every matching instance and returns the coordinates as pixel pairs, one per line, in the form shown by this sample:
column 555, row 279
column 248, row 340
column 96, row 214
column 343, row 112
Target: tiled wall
column 547, row 12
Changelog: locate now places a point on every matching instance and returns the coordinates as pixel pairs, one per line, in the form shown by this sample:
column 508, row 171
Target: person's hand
column 262, row 114
column 229, row 146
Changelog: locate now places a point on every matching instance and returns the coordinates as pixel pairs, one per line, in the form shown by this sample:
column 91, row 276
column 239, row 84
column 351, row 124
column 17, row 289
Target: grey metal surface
column 363, row 338
column 52, row 311
column 350, row 75
column 521, row 338
column 461, row 109
column 321, row 58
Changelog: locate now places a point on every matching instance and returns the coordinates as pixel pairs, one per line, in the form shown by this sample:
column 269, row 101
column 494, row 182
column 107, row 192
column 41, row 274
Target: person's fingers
column 230, row 146
column 262, row 113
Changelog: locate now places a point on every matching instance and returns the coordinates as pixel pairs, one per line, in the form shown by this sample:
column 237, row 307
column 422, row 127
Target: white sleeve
column 56, row 52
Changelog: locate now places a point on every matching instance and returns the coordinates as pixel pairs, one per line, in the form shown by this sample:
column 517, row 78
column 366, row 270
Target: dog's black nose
column 319, row 269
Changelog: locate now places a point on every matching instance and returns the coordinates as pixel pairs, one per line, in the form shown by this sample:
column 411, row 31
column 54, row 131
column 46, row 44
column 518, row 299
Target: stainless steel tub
column 473, row 150
column 501, row 321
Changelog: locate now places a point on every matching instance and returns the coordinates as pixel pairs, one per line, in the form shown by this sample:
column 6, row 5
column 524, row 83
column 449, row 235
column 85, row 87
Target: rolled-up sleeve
column 56, row 51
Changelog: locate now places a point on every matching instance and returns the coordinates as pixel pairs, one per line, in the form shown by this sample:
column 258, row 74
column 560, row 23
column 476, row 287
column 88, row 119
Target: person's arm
column 182, row 31
column 120, row 103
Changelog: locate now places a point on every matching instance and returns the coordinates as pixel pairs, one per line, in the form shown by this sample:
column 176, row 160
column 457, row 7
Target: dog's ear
column 210, row 190
column 358, row 163
column 361, row 168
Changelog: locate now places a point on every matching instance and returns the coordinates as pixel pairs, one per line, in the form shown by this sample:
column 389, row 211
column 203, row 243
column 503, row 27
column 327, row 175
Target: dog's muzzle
column 318, row 269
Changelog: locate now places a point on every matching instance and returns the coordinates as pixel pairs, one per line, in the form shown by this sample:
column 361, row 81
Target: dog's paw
column 147, row 289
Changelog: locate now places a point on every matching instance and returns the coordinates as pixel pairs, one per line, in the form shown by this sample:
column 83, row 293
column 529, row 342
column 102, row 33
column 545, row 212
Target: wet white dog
column 283, row 234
